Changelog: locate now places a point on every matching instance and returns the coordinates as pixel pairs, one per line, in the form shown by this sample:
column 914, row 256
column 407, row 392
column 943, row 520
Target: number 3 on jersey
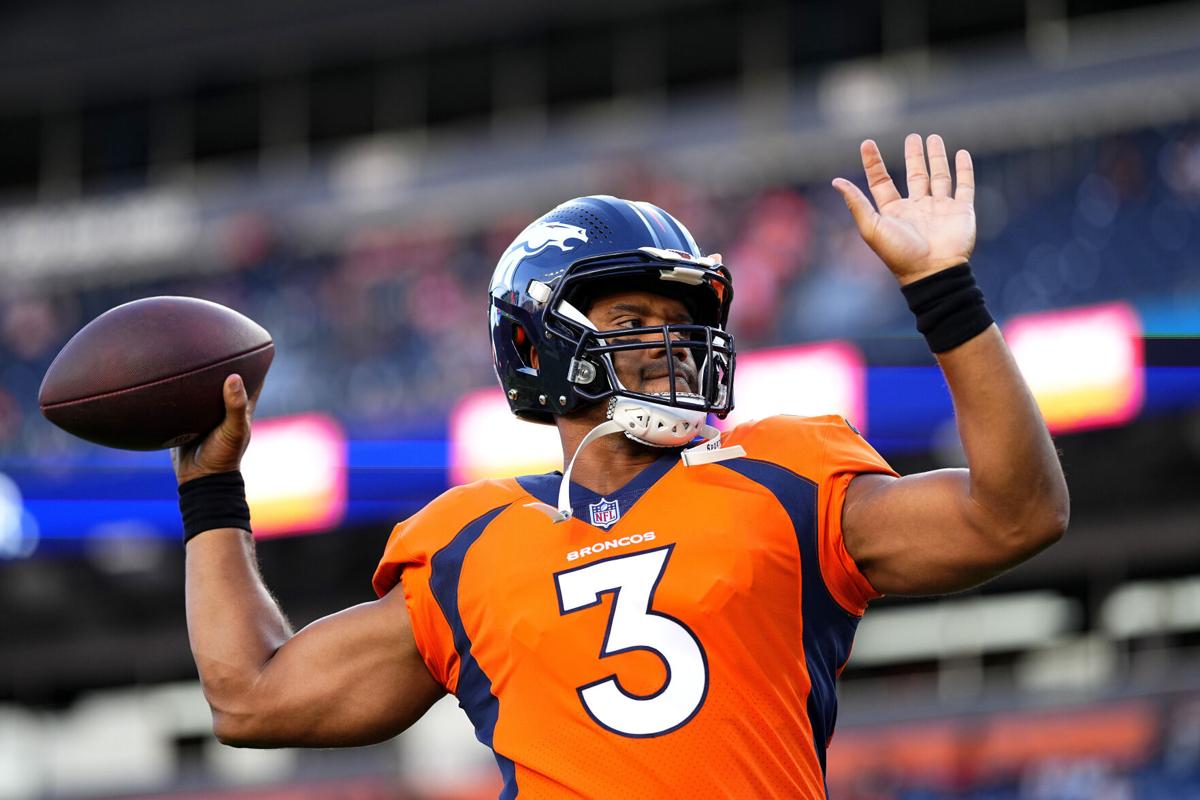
column 633, row 625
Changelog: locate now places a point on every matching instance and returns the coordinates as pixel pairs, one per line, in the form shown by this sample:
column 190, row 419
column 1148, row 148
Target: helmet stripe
column 687, row 235
column 675, row 226
column 646, row 222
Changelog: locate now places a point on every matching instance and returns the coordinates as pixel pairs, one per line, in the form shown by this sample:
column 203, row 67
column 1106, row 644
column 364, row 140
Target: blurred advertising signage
column 82, row 237
column 1084, row 365
column 295, row 472
column 805, row 380
column 487, row 441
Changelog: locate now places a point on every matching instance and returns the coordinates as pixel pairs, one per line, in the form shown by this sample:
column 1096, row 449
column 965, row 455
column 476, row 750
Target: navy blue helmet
column 546, row 280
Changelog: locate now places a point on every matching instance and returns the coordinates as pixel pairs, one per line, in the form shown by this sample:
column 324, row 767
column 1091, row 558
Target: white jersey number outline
column 634, row 625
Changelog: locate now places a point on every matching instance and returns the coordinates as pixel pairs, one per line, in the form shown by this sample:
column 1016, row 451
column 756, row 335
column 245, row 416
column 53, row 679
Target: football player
column 668, row 616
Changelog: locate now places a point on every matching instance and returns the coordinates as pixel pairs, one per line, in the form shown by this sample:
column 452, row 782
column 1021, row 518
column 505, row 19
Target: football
column 148, row 375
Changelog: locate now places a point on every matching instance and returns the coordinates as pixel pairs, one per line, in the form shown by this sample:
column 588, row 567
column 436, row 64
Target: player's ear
column 533, row 357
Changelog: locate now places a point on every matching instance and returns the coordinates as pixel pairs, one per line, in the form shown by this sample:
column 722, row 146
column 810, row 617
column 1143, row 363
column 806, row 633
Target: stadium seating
column 382, row 331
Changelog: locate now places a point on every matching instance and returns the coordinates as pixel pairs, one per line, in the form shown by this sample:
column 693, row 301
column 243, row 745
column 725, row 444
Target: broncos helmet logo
column 536, row 239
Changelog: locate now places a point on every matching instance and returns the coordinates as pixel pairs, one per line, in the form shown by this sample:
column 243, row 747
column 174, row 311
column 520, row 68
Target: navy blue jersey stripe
column 474, row 689
column 545, row 487
column 828, row 628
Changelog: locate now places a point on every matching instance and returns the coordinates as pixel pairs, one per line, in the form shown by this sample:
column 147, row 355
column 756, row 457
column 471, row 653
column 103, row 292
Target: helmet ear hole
column 524, row 347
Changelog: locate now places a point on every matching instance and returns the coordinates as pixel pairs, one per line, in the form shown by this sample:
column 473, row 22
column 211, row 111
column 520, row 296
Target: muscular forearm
column 234, row 624
column 355, row 677
column 352, row 678
column 1016, row 482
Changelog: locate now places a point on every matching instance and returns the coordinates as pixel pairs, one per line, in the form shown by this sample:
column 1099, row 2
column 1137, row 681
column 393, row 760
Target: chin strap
column 708, row 451
column 564, row 512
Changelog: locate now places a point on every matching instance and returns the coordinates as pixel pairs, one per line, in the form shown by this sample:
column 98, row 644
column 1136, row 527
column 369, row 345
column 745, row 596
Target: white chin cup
column 650, row 424
column 658, row 425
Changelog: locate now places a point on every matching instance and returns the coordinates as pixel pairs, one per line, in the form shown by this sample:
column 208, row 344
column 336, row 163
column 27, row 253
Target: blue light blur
column 102, row 491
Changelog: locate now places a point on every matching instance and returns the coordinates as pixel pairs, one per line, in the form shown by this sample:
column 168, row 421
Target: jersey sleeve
column 845, row 455
column 406, row 566
column 831, row 453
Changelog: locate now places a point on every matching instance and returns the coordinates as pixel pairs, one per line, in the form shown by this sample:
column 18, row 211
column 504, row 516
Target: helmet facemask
column 670, row 417
column 706, row 371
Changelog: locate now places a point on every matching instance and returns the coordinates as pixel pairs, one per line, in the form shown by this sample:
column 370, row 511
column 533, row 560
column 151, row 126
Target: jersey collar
column 545, row 487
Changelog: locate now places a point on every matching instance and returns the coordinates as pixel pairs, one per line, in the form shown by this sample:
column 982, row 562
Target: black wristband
column 949, row 307
column 213, row 501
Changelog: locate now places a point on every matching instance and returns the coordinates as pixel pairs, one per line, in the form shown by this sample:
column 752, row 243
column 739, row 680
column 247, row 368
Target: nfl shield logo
column 605, row 513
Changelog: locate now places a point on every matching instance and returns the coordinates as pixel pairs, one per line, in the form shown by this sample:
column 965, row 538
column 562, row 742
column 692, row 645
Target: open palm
column 926, row 232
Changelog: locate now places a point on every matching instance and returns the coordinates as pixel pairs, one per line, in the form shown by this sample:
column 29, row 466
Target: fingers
column 865, row 215
column 880, row 182
column 237, row 406
column 965, row 171
column 939, row 167
column 914, row 163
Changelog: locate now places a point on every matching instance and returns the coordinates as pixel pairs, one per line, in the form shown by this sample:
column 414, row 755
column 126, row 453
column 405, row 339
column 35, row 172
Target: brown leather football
column 148, row 375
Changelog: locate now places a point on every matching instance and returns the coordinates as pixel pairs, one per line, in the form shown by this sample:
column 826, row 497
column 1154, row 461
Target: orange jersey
column 680, row 637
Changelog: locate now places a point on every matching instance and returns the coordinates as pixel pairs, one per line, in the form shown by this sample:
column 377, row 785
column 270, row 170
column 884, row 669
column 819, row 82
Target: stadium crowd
column 390, row 327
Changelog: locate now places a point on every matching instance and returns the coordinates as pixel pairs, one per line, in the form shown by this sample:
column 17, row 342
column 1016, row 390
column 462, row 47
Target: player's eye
column 629, row 322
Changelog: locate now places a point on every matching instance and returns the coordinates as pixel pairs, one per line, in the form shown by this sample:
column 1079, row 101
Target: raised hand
column 926, row 232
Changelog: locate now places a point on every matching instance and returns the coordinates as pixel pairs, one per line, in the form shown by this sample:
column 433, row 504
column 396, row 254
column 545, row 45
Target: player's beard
column 647, row 378
column 654, row 378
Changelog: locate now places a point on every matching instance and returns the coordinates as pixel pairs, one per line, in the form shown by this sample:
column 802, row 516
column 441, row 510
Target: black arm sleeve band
column 213, row 501
column 949, row 307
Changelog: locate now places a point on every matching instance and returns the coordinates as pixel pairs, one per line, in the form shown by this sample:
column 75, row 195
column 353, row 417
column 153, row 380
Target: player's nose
column 681, row 353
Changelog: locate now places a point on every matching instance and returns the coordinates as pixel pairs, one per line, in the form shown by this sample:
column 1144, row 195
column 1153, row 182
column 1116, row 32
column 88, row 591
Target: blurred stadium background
column 347, row 174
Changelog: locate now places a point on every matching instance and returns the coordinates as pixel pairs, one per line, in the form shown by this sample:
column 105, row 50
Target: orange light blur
column 295, row 471
column 805, row 380
column 1084, row 365
column 487, row 441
